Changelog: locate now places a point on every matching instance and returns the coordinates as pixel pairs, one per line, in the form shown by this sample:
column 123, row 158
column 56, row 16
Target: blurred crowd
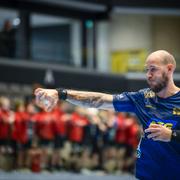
column 69, row 138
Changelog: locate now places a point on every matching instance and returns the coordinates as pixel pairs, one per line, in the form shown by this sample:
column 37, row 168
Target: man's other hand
column 159, row 132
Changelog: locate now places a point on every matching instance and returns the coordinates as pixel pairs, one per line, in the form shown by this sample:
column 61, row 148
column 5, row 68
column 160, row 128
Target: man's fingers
column 45, row 99
column 151, row 130
column 153, row 135
column 155, row 125
column 40, row 95
column 37, row 91
column 39, row 100
column 48, row 109
column 156, row 139
column 50, row 106
column 43, row 96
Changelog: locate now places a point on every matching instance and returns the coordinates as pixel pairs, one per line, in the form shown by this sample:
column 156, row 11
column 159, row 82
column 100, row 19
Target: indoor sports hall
column 84, row 45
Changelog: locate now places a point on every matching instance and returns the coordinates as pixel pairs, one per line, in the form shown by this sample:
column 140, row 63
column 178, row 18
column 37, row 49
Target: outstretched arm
column 48, row 98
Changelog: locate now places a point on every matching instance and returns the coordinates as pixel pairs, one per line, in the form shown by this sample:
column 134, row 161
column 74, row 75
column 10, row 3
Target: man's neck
column 168, row 91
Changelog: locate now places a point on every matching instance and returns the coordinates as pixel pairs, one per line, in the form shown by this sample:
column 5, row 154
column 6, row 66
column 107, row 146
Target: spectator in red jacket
column 46, row 133
column 76, row 128
column 20, row 133
column 61, row 117
column 6, row 120
column 7, row 147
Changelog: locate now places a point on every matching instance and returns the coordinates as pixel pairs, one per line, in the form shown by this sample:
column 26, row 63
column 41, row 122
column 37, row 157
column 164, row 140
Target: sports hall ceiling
column 90, row 9
column 122, row 3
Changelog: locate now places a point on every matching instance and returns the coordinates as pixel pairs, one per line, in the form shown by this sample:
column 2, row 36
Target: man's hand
column 46, row 98
column 159, row 132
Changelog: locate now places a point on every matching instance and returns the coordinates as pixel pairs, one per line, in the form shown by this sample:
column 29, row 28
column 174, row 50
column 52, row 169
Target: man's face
column 157, row 75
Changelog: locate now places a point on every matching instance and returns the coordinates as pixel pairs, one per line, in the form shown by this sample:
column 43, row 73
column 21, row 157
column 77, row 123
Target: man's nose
column 149, row 75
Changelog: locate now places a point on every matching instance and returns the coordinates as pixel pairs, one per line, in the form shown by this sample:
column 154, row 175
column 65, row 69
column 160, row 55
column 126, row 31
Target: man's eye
column 150, row 70
column 153, row 69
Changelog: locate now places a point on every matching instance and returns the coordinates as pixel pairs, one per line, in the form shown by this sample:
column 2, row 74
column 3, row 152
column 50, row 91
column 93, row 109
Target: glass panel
column 52, row 39
column 8, row 22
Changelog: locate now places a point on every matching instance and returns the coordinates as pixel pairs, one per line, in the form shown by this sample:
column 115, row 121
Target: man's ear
column 170, row 67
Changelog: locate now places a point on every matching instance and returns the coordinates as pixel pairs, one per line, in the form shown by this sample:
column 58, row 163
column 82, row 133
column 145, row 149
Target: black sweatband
column 175, row 136
column 62, row 93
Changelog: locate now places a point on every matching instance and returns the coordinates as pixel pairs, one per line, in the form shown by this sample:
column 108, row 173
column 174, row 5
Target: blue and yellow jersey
column 156, row 159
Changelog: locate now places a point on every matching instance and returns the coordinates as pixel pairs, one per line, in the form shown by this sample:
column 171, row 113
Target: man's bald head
column 160, row 66
column 164, row 57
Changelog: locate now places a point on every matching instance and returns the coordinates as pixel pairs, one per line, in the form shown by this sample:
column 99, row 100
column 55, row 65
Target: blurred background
column 80, row 44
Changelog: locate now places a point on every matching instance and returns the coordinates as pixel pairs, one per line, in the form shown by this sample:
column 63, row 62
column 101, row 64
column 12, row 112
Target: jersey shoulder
column 147, row 93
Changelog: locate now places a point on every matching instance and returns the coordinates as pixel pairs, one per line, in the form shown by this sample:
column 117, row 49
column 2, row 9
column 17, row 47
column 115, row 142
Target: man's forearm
column 90, row 99
column 48, row 98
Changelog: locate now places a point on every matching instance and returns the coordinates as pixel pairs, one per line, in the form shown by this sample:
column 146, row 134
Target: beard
column 160, row 84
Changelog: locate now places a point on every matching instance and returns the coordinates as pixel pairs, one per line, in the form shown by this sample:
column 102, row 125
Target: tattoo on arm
column 90, row 99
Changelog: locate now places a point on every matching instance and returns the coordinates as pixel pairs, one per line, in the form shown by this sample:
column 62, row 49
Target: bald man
column 157, row 108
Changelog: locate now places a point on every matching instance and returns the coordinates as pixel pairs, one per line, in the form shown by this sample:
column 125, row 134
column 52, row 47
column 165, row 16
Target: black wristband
column 175, row 136
column 62, row 93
